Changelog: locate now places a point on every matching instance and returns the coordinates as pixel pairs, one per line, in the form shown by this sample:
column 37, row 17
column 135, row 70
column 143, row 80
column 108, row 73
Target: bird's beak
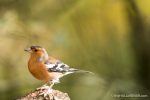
column 28, row 50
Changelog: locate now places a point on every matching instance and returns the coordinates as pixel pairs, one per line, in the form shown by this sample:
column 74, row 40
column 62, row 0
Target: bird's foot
column 43, row 87
column 45, row 90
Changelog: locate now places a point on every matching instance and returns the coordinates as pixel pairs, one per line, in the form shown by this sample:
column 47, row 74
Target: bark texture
column 40, row 94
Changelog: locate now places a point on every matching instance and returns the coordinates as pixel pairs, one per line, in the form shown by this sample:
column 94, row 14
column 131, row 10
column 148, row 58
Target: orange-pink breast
column 39, row 71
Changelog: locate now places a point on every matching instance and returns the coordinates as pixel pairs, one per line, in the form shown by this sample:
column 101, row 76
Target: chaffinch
column 46, row 68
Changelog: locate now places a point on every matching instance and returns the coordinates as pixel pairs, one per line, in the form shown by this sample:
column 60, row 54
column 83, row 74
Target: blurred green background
column 108, row 37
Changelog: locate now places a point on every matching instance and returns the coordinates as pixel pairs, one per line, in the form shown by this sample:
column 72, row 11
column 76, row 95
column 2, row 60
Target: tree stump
column 39, row 94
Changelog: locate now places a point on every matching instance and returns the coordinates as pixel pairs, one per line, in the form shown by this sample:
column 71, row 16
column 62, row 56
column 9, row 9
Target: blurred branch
column 39, row 93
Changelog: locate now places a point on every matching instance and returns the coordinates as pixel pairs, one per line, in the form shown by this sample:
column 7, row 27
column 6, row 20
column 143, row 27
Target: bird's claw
column 45, row 90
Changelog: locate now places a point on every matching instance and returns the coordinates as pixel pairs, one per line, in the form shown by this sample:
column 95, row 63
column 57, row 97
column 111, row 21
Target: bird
column 47, row 68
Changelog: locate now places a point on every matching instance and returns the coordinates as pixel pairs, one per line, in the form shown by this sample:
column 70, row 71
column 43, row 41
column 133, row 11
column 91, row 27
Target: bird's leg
column 47, row 85
column 43, row 87
column 51, row 83
column 47, row 88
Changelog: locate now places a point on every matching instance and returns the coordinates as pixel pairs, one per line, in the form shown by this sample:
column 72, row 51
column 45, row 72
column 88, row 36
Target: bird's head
column 34, row 49
column 37, row 51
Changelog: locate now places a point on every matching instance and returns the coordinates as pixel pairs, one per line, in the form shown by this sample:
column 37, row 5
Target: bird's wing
column 55, row 65
column 52, row 60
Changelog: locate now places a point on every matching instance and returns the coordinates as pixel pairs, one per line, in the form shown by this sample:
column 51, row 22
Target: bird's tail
column 73, row 70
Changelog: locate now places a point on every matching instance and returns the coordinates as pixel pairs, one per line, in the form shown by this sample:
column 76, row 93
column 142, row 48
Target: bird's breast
column 38, row 70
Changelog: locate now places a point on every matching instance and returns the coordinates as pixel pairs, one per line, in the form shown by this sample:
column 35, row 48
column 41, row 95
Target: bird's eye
column 35, row 50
